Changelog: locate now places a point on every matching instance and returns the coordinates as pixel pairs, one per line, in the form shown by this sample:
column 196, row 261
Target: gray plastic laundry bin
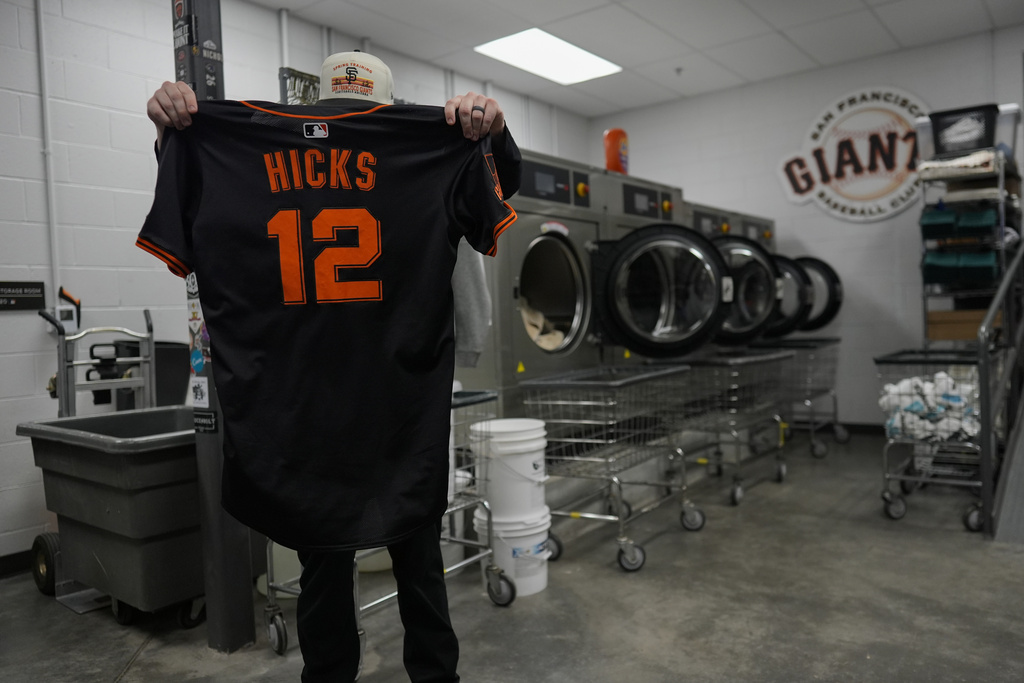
column 123, row 486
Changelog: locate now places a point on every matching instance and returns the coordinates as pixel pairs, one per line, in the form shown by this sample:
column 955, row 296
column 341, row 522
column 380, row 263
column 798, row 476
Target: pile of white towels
column 932, row 408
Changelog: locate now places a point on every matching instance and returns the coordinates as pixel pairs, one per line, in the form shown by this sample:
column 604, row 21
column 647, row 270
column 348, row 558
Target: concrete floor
column 803, row 581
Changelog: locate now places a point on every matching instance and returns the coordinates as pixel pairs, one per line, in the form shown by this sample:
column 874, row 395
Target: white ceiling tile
column 451, row 19
column 1006, row 12
column 922, row 22
column 691, row 74
column 627, row 90
column 394, row 35
column 576, row 101
column 701, row 23
column 789, row 13
column 601, row 31
column 540, row 12
column 761, row 58
column 844, row 38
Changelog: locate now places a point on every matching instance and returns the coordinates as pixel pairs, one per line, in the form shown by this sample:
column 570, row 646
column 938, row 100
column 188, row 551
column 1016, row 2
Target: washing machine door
column 661, row 291
column 828, row 293
column 553, row 291
column 797, row 298
column 756, row 285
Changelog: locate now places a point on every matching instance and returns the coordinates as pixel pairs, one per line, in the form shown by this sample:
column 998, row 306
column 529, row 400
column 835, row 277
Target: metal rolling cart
column 737, row 394
column 932, row 401
column 602, row 422
column 468, row 407
column 808, row 378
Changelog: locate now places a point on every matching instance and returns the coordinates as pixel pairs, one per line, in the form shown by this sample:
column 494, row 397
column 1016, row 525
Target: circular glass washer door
column 797, row 298
column 828, row 293
column 554, row 294
column 662, row 290
column 756, row 289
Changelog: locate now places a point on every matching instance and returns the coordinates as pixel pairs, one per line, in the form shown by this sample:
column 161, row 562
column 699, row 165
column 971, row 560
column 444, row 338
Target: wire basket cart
column 602, row 422
column 735, row 396
column 465, row 488
column 932, row 402
column 808, row 379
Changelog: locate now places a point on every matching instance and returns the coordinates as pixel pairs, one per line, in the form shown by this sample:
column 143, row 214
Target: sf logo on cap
column 314, row 130
column 351, row 74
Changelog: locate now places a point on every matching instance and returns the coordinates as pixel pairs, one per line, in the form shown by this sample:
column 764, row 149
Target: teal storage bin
column 977, row 223
column 937, row 224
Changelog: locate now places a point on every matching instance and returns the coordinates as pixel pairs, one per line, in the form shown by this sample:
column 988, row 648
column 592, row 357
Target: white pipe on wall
column 282, row 15
column 51, row 199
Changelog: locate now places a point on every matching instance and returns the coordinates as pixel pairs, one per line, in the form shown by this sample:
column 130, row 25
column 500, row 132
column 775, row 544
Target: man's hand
column 172, row 105
column 478, row 114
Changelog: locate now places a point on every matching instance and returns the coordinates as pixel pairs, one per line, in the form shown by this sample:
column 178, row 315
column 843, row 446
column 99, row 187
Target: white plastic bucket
column 511, row 466
column 520, row 548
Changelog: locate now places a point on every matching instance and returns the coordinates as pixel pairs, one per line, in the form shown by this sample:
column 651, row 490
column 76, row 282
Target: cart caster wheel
column 634, row 563
column 780, row 472
column 44, row 567
column 277, row 634
column 124, row 613
column 736, row 495
column 896, row 507
column 554, row 547
column 692, row 519
column 972, row 517
column 626, row 509
column 841, row 434
column 818, row 448
column 191, row 613
column 504, row 593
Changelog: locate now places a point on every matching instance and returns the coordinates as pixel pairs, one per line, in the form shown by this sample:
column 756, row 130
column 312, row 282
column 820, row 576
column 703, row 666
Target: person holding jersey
column 381, row 404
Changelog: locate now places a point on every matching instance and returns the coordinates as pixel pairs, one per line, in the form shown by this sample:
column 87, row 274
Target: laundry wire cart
column 735, row 396
column 465, row 489
column 603, row 422
column 808, row 379
column 932, row 402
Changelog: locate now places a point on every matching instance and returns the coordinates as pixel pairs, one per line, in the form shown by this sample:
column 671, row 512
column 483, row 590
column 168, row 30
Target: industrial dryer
column 539, row 281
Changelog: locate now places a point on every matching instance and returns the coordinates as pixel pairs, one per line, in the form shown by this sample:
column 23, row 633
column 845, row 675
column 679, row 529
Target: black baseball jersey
column 323, row 240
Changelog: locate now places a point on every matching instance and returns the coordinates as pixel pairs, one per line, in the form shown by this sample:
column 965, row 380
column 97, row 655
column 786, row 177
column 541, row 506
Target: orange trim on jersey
column 501, row 227
column 173, row 264
column 312, row 118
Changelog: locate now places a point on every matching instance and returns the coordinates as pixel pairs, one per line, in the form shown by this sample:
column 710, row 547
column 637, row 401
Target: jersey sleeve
column 481, row 212
column 166, row 232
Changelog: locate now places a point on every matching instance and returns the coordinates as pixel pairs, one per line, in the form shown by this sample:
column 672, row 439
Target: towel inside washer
column 553, row 294
column 756, row 284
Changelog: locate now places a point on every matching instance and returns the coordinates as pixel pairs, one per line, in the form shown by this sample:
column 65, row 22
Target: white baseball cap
column 356, row 75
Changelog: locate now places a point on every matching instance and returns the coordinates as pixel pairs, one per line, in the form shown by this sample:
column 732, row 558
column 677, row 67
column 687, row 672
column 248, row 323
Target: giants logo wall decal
column 859, row 157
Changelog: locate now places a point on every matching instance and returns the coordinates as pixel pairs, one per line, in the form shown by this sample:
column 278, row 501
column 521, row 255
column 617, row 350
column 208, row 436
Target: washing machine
column 540, row 281
column 713, row 221
column 661, row 289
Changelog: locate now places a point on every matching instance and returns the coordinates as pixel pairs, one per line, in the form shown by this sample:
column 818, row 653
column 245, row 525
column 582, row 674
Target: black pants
column 326, row 612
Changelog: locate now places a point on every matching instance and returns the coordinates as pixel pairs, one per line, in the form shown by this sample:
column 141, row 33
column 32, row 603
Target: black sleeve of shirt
column 508, row 162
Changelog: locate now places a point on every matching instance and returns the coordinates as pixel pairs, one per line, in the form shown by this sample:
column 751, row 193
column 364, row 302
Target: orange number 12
column 328, row 264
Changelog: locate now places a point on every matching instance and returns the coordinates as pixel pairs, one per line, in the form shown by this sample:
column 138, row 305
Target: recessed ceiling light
column 552, row 58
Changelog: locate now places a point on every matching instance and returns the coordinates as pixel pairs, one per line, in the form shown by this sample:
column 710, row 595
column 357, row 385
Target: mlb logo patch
column 314, row 130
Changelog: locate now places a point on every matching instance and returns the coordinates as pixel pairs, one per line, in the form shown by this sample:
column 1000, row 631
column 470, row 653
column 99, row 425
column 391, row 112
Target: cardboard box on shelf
column 956, row 325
